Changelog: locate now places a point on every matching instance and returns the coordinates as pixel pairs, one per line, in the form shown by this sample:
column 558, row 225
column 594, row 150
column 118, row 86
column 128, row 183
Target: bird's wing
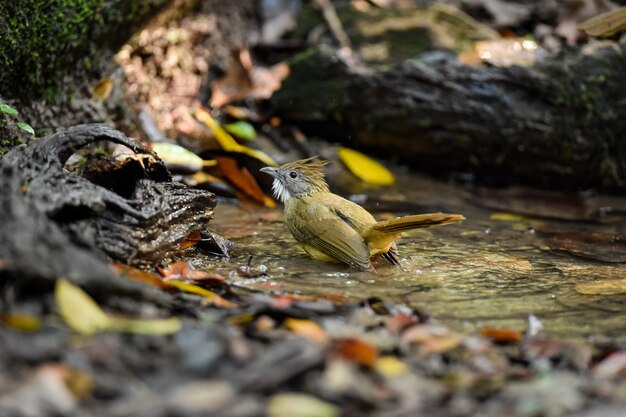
column 336, row 238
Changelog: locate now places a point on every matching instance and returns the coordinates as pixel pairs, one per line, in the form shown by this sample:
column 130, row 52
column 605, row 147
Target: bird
column 330, row 228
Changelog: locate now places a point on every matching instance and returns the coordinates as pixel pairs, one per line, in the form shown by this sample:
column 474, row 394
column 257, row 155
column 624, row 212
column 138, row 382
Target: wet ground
column 494, row 269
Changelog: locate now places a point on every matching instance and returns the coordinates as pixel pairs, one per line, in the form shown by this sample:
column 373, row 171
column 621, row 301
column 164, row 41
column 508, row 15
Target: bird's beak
column 271, row 171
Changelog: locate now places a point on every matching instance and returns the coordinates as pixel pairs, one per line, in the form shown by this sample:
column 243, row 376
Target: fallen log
column 560, row 124
column 59, row 223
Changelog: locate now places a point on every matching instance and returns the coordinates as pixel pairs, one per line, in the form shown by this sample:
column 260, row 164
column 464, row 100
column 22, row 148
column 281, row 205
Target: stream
column 494, row 269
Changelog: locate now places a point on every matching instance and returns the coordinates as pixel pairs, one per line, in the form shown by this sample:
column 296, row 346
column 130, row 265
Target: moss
column 43, row 40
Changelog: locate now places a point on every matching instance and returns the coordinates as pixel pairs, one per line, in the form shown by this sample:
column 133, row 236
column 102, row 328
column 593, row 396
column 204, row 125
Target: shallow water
column 491, row 270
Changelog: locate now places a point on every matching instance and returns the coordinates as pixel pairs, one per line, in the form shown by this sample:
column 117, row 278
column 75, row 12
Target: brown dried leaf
column 502, row 335
column 358, row 351
column 243, row 180
column 133, row 273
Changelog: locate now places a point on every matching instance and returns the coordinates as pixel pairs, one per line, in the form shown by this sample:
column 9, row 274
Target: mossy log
column 58, row 223
column 560, row 124
column 41, row 41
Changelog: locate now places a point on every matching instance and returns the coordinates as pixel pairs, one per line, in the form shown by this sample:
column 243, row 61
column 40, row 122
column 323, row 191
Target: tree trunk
column 558, row 125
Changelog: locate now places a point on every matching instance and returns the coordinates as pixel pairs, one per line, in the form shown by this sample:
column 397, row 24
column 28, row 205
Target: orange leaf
column 133, row 273
column 243, row 180
column 307, row 329
column 175, row 270
column 357, row 351
column 191, row 240
column 502, row 335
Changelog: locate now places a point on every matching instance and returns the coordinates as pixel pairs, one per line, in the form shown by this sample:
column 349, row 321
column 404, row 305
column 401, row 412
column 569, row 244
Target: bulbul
column 332, row 229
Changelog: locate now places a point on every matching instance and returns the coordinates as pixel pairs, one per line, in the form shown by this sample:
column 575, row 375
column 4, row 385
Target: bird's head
column 297, row 179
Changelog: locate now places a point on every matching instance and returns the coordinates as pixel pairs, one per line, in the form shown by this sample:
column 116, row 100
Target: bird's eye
column 293, row 174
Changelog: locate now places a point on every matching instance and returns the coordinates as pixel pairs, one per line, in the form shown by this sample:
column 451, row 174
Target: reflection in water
column 484, row 271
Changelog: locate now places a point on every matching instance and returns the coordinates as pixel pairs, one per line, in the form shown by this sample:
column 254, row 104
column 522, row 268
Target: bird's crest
column 311, row 170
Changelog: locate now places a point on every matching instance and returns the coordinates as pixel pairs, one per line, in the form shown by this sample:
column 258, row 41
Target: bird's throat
column 280, row 192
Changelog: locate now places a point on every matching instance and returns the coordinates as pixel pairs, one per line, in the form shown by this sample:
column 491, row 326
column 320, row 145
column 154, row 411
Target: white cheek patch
column 280, row 192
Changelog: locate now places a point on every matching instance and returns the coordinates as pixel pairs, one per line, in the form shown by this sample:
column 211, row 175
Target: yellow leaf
column 390, row 366
column 605, row 24
column 506, row 217
column 364, row 167
column 293, row 404
column 176, row 156
column 307, row 329
column 194, row 289
column 79, row 310
column 21, row 322
column 102, row 89
column 82, row 314
column 607, row 287
column 228, row 143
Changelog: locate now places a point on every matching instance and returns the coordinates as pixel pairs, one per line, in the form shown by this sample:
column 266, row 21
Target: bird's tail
column 417, row 221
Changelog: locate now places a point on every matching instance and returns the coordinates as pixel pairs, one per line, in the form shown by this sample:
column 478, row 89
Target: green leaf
column 26, row 127
column 241, row 129
column 6, row 109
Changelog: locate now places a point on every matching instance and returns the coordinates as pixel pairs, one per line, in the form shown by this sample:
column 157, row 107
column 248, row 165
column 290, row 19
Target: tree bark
column 560, row 124
column 58, row 223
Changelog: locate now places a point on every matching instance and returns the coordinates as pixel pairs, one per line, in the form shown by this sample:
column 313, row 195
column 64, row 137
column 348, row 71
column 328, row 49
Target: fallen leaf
column 210, row 296
column 243, row 180
column 390, row 366
column 502, row 335
column 175, row 270
column 21, row 322
column 607, row 287
column 612, row 366
column 102, row 89
column 307, row 329
column 177, row 158
column 605, row 24
column 430, row 338
column 506, row 217
column 79, row 383
column 357, row 351
column 82, row 314
column 133, row 273
column 364, row 167
column 241, row 129
column 299, row 405
column 227, row 142
column 79, row 310
column 191, row 240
